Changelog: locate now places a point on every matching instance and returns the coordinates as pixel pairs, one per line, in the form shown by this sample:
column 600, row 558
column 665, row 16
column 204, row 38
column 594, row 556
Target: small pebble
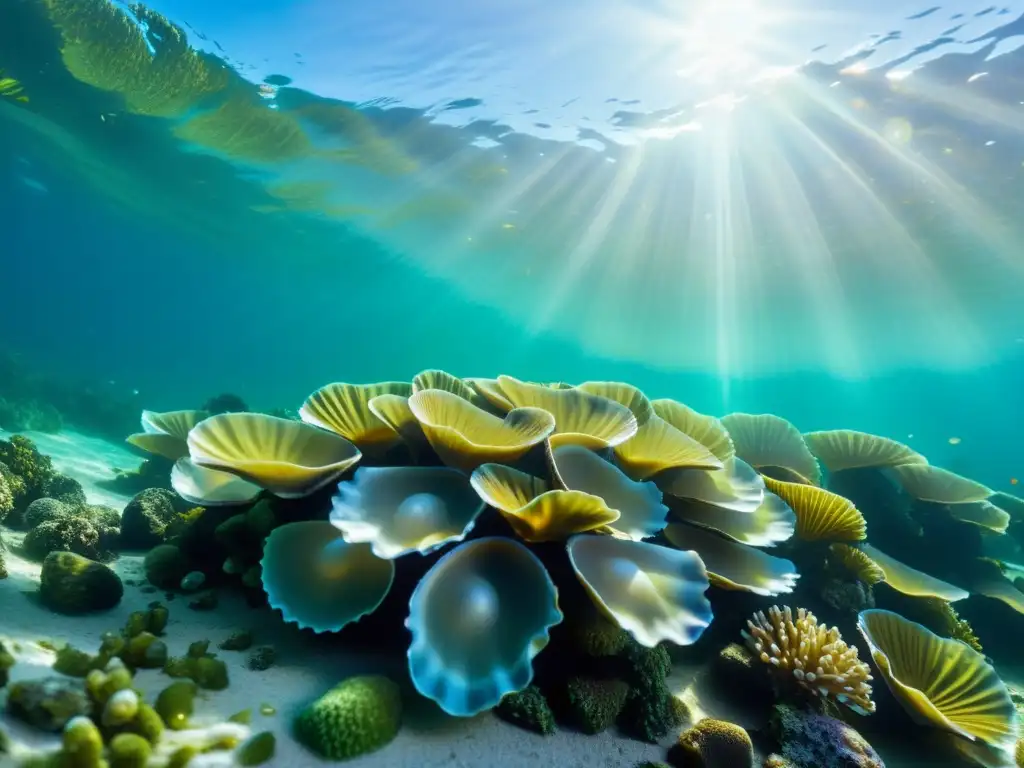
column 239, row 641
column 193, row 581
column 262, row 658
column 205, row 602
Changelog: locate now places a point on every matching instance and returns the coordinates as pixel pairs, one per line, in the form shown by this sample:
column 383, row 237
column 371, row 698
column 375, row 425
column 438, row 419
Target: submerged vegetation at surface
column 11, row 89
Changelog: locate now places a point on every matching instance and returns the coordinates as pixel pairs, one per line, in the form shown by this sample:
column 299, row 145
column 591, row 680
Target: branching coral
column 816, row 657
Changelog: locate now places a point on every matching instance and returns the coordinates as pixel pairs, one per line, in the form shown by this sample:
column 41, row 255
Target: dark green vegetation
column 104, row 717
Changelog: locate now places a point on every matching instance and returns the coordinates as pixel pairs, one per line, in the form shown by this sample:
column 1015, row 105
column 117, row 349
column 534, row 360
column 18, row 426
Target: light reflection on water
column 735, row 186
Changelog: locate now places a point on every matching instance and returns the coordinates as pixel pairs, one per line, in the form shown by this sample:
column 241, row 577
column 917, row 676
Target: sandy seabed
column 302, row 671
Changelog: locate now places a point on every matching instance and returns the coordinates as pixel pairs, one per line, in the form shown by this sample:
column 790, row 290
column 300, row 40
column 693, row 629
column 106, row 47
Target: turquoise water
column 808, row 209
column 836, row 242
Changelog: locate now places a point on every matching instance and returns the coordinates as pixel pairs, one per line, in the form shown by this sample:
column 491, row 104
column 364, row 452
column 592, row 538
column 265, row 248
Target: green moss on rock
column 257, row 749
column 48, row 703
column 593, row 705
column 145, row 519
column 65, row 533
column 129, row 750
column 165, row 566
column 73, row 584
column 714, row 744
column 528, row 709
column 360, row 715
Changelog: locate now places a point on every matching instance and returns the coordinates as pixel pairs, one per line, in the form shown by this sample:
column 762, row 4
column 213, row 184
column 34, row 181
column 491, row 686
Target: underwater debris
column 357, row 716
column 713, row 744
column 816, row 657
column 528, row 709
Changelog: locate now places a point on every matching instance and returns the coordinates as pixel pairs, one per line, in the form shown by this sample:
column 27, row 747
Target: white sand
column 88, row 460
column 428, row 738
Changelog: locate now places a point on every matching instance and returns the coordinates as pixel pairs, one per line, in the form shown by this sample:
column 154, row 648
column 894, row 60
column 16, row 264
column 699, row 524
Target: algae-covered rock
column 66, row 533
column 714, row 744
column 175, row 704
column 165, row 566
column 239, row 641
column 597, row 637
column 41, row 510
column 66, row 490
column 32, row 469
column 262, row 658
column 528, row 709
column 129, row 750
column 72, row 584
column 592, row 705
column 6, row 497
column 651, row 710
column 48, row 703
column 257, row 749
column 360, row 715
column 6, row 662
column 144, row 521
column 81, row 744
column 818, row 741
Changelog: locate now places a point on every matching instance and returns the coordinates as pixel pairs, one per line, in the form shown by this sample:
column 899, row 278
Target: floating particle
column 1014, row 481
column 954, row 441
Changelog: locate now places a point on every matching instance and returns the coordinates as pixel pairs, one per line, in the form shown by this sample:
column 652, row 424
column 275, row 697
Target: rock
column 193, row 581
column 818, row 741
column 713, row 744
column 72, row 584
column 65, row 533
column 48, row 703
column 41, row 510
column 144, row 521
column 6, row 497
column 66, row 490
column 165, row 566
